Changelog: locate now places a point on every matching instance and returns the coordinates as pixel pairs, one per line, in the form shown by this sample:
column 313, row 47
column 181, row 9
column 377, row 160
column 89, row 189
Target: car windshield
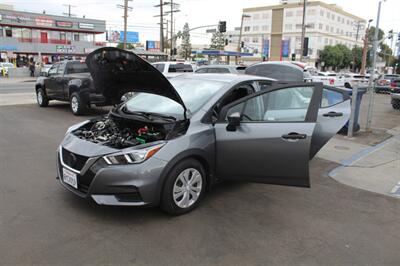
column 194, row 93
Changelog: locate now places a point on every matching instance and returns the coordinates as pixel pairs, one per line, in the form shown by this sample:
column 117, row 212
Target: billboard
column 285, row 48
column 131, row 36
column 152, row 45
column 265, row 48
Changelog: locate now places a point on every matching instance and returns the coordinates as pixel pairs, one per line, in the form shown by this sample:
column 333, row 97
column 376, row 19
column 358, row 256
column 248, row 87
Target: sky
column 195, row 12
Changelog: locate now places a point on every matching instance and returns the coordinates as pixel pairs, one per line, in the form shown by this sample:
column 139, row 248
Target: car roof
column 219, row 66
column 227, row 78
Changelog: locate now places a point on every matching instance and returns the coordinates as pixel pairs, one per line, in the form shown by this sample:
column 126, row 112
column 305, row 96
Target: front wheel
column 78, row 107
column 41, row 98
column 184, row 187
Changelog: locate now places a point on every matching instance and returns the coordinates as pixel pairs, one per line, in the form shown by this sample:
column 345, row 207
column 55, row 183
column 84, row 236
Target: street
column 237, row 223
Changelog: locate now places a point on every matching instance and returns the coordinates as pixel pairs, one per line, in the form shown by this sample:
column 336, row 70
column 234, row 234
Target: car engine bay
column 121, row 133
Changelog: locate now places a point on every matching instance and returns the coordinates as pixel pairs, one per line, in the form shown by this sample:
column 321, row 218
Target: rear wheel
column 41, row 98
column 77, row 105
column 184, row 187
column 396, row 103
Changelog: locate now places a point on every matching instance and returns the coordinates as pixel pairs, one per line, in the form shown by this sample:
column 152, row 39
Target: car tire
column 41, row 98
column 396, row 103
column 77, row 105
column 184, row 187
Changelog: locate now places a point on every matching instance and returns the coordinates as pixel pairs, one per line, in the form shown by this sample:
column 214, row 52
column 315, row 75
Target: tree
column 371, row 34
column 217, row 41
column 186, row 46
column 357, row 54
column 129, row 46
column 337, row 56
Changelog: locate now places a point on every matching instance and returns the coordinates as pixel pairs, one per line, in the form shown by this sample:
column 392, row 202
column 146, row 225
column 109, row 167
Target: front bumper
column 125, row 185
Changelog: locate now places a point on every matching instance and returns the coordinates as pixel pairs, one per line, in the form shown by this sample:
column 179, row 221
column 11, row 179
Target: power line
column 126, row 8
column 69, row 10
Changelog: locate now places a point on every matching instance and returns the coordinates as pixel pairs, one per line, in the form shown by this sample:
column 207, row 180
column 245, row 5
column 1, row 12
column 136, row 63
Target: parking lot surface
column 236, row 224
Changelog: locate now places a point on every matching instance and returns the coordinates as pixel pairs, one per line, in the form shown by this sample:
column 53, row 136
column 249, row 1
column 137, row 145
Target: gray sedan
column 172, row 140
column 221, row 69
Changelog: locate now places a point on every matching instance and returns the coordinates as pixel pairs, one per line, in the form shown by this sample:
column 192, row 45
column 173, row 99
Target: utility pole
column 126, row 8
column 372, row 77
column 365, row 49
column 161, row 15
column 303, row 29
column 240, row 38
column 69, row 14
column 355, row 45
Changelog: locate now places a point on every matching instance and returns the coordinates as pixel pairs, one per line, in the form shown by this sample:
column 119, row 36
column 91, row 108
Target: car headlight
column 133, row 156
column 76, row 126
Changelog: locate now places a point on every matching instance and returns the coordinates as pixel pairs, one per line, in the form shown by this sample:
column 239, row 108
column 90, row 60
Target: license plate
column 70, row 178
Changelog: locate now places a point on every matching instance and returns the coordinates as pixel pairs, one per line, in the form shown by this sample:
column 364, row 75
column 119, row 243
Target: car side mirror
column 233, row 121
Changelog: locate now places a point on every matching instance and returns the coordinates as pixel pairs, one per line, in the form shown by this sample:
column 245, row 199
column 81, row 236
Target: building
column 275, row 31
column 46, row 38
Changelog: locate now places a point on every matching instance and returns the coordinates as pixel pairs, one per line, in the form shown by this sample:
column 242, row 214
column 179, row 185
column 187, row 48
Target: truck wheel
column 396, row 103
column 184, row 187
column 78, row 107
column 41, row 98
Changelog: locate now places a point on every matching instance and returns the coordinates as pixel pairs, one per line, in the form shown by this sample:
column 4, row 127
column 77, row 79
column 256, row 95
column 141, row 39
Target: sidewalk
column 5, row 80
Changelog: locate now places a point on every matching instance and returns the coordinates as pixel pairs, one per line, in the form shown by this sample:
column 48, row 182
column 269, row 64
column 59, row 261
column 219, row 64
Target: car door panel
column 50, row 81
column 276, row 148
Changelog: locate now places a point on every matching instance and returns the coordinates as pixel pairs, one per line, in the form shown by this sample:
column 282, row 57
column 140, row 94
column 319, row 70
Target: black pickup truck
column 68, row 81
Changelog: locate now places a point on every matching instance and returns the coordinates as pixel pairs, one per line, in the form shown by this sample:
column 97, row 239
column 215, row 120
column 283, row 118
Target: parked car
column 330, row 78
column 384, row 81
column 395, row 100
column 221, row 69
column 4, row 66
column 173, row 69
column 44, row 70
column 175, row 138
column 351, row 79
column 69, row 81
column 278, row 70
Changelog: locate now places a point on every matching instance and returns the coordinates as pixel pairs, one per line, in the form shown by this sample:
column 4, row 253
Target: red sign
column 64, row 24
column 44, row 21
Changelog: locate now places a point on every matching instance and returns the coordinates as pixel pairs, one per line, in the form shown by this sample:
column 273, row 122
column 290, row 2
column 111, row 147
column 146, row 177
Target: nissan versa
column 173, row 139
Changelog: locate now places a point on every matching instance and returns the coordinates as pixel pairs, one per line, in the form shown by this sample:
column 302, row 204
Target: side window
column 284, row 105
column 160, row 67
column 53, row 70
column 331, row 97
column 61, row 68
column 202, row 70
column 76, row 68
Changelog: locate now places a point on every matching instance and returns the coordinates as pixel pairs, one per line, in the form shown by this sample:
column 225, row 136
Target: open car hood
column 116, row 72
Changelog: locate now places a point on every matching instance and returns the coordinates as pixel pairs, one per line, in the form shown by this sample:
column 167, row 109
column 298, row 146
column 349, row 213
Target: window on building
column 299, row 13
column 337, row 31
column 265, row 15
column 289, row 14
column 298, row 26
column 341, row 32
column 326, row 40
column 348, row 22
column 321, row 13
column 311, row 25
column 330, row 41
column 246, row 39
column 321, row 26
column 320, row 39
column 338, row 19
column 247, row 28
column 288, row 27
column 16, row 32
column 327, row 27
column 333, row 17
column 311, row 12
column 256, row 28
column 255, row 40
column 328, row 15
column 265, row 28
column 256, row 16
column 332, row 30
column 76, row 37
column 63, row 36
column 1, row 32
column 342, row 20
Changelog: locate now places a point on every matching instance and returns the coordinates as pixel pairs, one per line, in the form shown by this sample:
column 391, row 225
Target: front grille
column 73, row 160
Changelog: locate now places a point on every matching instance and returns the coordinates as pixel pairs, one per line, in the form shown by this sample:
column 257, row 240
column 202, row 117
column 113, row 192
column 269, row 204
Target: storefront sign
column 64, row 24
column 86, row 26
column 18, row 18
column 43, row 21
column 65, row 49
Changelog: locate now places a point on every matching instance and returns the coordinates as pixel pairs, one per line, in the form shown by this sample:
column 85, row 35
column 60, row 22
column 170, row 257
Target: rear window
column 77, row 67
column 218, row 70
column 180, row 68
column 278, row 72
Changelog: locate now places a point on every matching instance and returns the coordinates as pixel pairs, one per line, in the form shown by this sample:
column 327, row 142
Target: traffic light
column 398, row 37
column 222, row 26
column 305, row 47
column 293, row 57
column 242, row 44
column 390, row 35
column 226, row 41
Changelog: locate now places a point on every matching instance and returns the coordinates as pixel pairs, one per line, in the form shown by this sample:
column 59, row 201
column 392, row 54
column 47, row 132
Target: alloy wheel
column 39, row 97
column 187, row 187
column 74, row 104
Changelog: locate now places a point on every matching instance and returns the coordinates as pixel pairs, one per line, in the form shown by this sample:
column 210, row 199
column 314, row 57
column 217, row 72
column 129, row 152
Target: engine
column 120, row 134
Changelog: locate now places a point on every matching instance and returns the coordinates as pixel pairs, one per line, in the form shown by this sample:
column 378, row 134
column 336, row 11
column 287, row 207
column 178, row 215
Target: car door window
column 61, row 69
column 160, row 67
column 202, row 70
column 53, row 70
column 331, row 97
column 283, row 105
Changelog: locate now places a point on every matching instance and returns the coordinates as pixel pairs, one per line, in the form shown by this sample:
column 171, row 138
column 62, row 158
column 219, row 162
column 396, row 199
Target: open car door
column 266, row 137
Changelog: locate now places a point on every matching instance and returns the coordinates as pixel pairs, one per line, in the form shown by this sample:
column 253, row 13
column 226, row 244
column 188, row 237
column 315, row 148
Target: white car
column 4, row 66
column 173, row 69
column 330, row 78
column 352, row 79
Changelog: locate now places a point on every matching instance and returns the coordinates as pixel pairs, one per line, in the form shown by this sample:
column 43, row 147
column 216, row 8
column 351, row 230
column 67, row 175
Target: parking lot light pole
column 372, row 77
column 240, row 37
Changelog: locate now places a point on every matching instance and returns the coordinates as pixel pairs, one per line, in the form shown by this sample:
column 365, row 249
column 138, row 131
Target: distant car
column 44, row 71
column 351, row 79
column 384, row 81
column 4, row 66
column 221, row 69
column 280, row 71
column 330, row 78
column 173, row 69
column 395, row 100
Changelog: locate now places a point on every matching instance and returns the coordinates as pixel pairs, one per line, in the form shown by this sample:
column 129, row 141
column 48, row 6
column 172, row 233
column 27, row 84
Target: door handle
column 333, row 114
column 294, row 136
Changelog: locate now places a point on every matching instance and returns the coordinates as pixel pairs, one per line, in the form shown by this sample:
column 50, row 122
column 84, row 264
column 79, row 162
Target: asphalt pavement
column 236, row 224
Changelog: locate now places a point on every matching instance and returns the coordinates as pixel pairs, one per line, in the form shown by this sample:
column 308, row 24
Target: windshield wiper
column 148, row 115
